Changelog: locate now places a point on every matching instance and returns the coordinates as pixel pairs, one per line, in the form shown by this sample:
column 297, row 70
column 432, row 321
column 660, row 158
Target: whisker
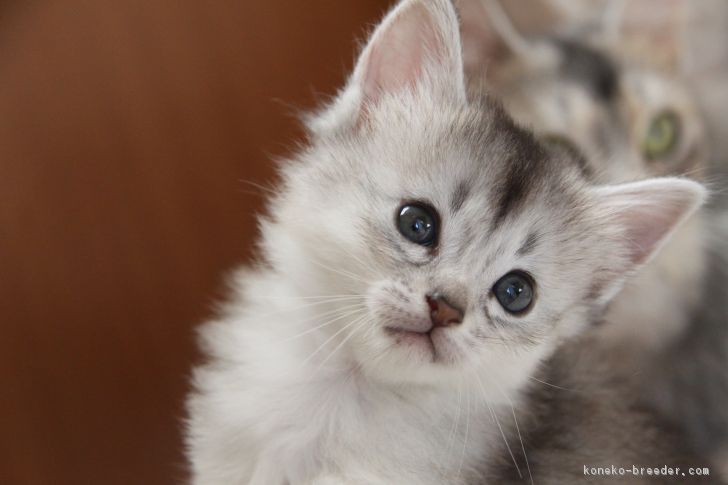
column 553, row 385
column 320, row 347
column 250, row 192
column 456, row 422
column 518, row 430
column 319, row 297
column 495, row 418
column 340, row 272
column 263, row 188
column 465, row 441
column 353, row 311
column 361, row 322
column 299, row 307
column 367, row 267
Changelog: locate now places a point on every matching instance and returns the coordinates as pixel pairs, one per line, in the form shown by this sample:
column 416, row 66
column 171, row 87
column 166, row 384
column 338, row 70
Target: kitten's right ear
column 415, row 47
column 641, row 216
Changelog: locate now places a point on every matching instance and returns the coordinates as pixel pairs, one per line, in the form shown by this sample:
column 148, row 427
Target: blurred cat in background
column 637, row 88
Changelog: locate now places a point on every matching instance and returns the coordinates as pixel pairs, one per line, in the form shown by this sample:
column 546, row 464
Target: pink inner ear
column 647, row 226
column 649, row 210
column 398, row 54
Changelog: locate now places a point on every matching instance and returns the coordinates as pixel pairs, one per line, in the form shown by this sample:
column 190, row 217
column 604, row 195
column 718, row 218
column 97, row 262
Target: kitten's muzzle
column 442, row 312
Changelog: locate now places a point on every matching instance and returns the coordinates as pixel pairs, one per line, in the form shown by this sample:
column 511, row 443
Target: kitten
column 614, row 82
column 422, row 257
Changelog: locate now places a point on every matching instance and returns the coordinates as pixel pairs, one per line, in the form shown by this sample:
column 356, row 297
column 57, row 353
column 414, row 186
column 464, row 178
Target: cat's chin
column 418, row 343
column 411, row 357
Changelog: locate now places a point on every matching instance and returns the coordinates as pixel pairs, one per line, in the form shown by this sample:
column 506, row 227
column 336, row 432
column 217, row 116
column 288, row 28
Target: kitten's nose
column 442, row 313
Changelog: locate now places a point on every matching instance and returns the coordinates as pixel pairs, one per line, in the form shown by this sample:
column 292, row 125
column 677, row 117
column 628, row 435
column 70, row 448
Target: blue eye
column 418, row 223
column 514, row 292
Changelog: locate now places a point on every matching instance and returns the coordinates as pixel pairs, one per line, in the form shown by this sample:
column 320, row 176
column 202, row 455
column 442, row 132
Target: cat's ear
column 416, row 47
column 495, row 32
column 641, row 216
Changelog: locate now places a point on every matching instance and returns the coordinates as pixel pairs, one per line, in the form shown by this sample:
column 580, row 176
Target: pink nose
column 442, row 313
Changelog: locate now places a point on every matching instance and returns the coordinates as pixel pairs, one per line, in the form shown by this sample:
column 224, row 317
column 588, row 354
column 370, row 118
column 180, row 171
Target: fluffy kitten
column 422, row 257
column 629, row 84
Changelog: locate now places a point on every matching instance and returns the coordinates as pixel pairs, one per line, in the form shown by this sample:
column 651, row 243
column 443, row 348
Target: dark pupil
column 418, row 226
column 514, row 290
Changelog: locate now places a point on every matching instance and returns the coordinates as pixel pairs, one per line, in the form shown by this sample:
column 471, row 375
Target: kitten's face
column 629, row 122
column 451, row 243
column 450, row 209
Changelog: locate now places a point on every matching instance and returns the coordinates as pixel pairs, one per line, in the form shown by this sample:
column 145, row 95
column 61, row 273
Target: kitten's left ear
column 642, row 216
column 416, row 47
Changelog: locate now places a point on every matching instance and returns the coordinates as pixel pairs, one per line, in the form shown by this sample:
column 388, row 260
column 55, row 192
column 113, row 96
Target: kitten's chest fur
column 402, row 436
column 406, row 436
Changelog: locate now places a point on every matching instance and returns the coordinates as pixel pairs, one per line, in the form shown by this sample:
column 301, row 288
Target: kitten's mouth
column 420, row 340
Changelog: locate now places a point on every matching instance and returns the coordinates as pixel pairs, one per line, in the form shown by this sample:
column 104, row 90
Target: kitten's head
column 602, row 78
column 474, row 249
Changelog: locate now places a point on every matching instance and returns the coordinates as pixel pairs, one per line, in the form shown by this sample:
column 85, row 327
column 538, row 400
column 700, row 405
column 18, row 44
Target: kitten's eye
column 562, row 142
column 514, row 291
column 418, row 223
column 662, row 135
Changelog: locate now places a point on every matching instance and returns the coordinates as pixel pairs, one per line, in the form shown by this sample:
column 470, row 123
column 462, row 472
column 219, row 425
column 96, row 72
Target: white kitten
column 422, row 257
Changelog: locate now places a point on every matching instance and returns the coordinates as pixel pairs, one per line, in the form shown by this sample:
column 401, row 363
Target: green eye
column 662, row 135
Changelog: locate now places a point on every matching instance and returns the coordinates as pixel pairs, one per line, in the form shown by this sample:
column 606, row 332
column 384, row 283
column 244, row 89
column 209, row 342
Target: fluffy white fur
column 304, row 384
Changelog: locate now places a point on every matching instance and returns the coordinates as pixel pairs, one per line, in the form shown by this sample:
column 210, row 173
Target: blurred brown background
column 126, row 127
